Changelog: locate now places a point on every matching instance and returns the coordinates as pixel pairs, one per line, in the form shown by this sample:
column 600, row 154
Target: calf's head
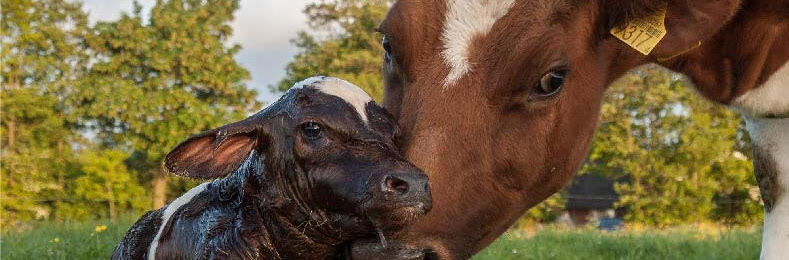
column 325, row 153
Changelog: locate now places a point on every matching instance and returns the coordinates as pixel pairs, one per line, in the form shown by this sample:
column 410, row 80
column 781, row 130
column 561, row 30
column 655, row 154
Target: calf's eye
column 550, row 83
column 311, row 130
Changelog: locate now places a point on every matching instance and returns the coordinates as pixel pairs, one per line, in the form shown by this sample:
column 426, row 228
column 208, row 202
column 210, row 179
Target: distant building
column 590, row 200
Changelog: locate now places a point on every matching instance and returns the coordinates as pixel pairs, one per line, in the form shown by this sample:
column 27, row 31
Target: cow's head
column 322, row 155
column 498, row 99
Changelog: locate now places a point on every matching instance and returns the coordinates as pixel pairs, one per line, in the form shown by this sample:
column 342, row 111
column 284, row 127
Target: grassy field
column 97, row 239
column 67, row 240
column 673, row 243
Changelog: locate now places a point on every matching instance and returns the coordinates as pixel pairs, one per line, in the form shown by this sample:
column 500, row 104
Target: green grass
column 80, row 240
column 674, row 243
column 65, row 240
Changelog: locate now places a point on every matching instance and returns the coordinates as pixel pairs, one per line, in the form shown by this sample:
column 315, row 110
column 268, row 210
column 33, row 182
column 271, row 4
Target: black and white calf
column 312, row 171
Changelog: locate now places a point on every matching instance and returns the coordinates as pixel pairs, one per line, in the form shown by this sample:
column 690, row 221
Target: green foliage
column 40, row 43
column 41, row 55
column 344, row 44
column 156, row 83
column 137, row 87
column 547, row 211
column 674, row 243
column 684, row 156
column 104, row 186
column 29, row 163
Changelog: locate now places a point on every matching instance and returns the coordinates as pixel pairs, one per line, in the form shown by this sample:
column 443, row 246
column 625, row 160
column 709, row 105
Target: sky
column 262, row 28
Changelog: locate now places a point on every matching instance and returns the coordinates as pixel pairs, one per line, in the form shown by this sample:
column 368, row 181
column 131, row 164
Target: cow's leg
column 771, row 167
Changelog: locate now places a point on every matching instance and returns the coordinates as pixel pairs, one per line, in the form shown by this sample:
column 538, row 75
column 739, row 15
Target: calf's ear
column 215, row 153
column 687, row 22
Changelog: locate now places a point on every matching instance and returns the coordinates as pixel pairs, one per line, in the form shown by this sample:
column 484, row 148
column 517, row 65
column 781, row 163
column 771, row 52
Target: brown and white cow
column 498, row 99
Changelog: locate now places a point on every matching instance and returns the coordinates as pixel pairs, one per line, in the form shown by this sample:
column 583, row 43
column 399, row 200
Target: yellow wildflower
column 100, row 228
column 55, row 240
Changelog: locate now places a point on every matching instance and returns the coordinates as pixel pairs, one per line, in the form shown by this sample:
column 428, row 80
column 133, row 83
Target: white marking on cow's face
column 168, row 213
column 465, row 20
column 345, row 90
column 772, row 97
column 772, row 136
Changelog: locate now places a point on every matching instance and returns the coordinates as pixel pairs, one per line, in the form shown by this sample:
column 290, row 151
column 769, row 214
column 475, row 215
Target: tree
column 42, row 55
column 349, row 49
column 685, row 156
column 104, row 186
column 154, row 83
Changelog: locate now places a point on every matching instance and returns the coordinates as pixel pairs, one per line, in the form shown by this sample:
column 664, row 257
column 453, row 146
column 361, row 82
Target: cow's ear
column 215, row 153
column 687, row 22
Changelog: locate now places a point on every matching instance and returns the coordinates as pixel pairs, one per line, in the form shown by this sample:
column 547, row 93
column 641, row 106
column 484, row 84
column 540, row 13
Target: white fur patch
column 168, row 213
column 465, row 20
column 307, row 82
column 772, row 135
column 344, row 90
column 775, row 237
column 772, row 97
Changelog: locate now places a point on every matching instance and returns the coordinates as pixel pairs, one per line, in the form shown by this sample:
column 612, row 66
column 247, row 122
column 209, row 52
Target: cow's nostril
column 395, row 184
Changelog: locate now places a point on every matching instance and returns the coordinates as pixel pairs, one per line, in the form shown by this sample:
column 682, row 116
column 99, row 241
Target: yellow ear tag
column 643, row 34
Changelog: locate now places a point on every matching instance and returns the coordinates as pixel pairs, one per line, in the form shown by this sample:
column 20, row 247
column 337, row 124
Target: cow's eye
column 385, row 42
column 312, row 130
column 387, row 47
column 550, row 83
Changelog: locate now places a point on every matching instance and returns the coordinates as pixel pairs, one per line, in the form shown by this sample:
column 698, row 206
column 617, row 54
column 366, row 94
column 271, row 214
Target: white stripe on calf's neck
column 168, row 213
column 465, row 20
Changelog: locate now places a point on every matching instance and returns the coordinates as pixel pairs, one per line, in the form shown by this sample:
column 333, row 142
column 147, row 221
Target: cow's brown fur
column 490, row 151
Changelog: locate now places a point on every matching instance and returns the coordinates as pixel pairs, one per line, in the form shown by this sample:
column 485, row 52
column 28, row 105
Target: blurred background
column 94, row 93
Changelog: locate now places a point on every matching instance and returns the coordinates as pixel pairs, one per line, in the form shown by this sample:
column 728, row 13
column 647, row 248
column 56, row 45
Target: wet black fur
column 287, row 197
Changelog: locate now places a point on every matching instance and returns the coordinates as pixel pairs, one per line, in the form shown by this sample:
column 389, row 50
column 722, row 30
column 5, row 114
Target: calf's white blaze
column 772, row 97
column 465, row 20
column 772, row 136
column 306, row 82
column 168, row 213
column 344, row 90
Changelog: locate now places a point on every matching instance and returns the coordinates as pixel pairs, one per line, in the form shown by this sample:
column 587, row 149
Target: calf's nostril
column 395, row 184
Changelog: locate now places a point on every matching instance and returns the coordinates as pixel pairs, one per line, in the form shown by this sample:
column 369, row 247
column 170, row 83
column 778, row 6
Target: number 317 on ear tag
column 644, row 33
